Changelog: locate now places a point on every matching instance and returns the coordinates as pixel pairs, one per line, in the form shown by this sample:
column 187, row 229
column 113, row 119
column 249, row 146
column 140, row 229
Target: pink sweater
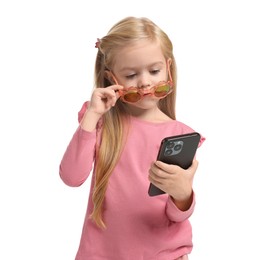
column 139, row 227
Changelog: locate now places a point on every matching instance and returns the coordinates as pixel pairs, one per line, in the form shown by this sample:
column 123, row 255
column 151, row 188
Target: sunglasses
column 134, row 94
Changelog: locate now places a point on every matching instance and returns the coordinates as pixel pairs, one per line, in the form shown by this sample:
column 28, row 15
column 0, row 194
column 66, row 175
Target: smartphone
column 179, row 150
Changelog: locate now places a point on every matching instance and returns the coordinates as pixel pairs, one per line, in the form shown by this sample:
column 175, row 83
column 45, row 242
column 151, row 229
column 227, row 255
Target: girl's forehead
column 138, row 54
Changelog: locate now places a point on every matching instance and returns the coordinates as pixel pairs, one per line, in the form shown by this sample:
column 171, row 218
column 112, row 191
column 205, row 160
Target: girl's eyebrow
column 134, row 68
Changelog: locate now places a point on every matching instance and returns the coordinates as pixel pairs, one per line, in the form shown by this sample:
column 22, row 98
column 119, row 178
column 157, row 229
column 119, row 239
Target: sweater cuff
column 175, row 214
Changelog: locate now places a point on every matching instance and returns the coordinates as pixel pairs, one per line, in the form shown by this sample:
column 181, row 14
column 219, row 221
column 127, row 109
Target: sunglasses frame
column 141, row 92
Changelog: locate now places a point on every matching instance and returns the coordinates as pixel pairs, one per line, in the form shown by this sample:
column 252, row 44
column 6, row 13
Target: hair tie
column 97, row 44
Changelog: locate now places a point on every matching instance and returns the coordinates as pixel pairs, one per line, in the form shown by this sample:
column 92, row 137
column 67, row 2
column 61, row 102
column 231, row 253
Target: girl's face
column 141, row 65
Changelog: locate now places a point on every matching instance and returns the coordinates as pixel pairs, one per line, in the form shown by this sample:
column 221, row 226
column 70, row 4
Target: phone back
column 178, row 150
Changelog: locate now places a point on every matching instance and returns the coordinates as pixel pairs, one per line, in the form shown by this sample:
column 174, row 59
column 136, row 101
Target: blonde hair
column 114, row 127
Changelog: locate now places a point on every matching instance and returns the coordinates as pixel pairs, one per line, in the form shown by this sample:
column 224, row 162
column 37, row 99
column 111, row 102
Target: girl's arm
column 78, row 159
column 176, row 182
column 79, row 156
column 175, row 214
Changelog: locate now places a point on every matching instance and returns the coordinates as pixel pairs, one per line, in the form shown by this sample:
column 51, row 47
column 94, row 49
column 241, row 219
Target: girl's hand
column 175, row 181
column 103, row 99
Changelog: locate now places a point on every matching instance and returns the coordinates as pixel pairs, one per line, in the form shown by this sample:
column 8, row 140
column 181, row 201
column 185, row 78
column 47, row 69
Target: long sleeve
column 78, row 158
column 176, row 215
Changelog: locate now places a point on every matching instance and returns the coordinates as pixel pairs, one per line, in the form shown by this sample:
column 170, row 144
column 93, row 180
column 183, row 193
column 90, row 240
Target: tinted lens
column 162, row 90
column 132, row 96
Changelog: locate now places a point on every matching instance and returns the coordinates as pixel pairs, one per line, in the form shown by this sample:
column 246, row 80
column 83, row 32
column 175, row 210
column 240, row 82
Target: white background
column 47, row 59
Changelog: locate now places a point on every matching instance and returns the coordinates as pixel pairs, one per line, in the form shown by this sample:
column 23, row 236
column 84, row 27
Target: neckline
column 143, row 121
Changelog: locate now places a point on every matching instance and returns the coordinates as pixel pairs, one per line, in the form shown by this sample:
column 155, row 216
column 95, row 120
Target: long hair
column 115, row 123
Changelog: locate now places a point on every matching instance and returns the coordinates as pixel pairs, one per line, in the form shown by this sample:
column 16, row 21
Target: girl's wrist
column 90, row 120
column 183, row 204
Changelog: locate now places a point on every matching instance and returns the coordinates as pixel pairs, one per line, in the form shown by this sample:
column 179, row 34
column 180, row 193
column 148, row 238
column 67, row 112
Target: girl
column 120, row 130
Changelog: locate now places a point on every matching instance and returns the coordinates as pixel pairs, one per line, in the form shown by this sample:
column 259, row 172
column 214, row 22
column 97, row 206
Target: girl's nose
column 144, row 82
column 145, row 85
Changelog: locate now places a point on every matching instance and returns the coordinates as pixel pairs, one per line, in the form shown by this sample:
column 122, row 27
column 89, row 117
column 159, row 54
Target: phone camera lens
column 173, row 147
column 170, row 145
column 168, row 152
column 178, row 147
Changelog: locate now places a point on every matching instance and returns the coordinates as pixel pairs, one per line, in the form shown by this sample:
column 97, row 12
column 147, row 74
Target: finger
column 194, row 165
column 115, row 87
column 154, row 179
column 158, row 174
column 108, row 95
column 168, row 168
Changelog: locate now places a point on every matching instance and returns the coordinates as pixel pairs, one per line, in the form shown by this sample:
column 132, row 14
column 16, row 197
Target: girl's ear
column 169, row 62
column 110, row 77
